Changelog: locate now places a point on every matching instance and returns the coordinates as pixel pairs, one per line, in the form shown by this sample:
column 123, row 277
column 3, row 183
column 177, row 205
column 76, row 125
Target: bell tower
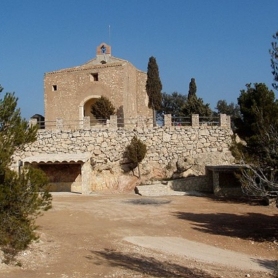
column 103, row 53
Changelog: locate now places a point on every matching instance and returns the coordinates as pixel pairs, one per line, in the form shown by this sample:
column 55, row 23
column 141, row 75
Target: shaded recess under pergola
column 66, row 172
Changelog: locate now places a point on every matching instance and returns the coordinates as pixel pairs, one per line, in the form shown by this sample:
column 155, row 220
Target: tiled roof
column 58, row 158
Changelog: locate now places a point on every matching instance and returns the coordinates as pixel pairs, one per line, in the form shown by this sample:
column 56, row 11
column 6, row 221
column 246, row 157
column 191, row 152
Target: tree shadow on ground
column 253, row 226
column 147, row 201
column 145, row 265
column 249, row 200
column 268, row 264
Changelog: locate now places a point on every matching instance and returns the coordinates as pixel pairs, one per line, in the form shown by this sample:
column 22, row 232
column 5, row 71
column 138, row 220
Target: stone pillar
column 86, row 177
column 140, row 122
column 216, row 185
column 168, row 120
column 149, row 122
column 195, row 120
column 59, row 123
column 223, row 120
column 228, row 121
column 33, row 122
column 86, row 122
column 113, row 122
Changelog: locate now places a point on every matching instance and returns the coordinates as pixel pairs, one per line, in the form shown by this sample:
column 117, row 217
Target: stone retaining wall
column 177, row 187
column 108, row 146
column 204, row 145
column 200, row 183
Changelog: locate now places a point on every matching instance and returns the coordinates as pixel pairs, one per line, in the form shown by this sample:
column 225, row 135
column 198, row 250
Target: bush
column 136, row 151
column 103, row 108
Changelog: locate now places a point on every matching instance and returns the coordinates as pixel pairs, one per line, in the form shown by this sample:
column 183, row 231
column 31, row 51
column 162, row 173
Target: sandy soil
column 135, row 236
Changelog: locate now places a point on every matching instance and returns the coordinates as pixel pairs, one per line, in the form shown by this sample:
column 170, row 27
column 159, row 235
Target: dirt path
column 201, row 252
column 132, row 236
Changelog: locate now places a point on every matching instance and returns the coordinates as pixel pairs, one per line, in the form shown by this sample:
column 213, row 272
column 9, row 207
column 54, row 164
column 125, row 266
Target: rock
column 172, row 165
column 97, row 152
column 183, row 164
column 127, row 183
column 188, row 173
column 104, row 167
column 176, row 176
column 92, row 162
column 107, row 181
column 239, row 140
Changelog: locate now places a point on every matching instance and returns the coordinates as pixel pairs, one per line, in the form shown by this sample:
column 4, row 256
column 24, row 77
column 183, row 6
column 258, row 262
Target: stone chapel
column 69, row 93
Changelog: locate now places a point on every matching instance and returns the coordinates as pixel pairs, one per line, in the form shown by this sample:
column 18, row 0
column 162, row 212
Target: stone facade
column 168, row 150
column 69, row 93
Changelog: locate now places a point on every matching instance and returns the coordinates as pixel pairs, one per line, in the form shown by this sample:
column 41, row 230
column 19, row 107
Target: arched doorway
column 86, row 107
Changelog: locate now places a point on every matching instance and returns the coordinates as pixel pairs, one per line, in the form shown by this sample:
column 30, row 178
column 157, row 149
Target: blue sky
column 223, row 44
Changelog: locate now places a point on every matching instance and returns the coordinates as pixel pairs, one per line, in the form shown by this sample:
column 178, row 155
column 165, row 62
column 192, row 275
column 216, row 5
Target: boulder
column 114, row 182
column 189, row 173
column 183, row 164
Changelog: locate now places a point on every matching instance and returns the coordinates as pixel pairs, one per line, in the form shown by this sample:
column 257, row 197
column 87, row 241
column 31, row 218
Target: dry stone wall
column 171, row 151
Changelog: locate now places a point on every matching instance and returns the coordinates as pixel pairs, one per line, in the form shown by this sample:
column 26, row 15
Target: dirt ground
column 126, row 235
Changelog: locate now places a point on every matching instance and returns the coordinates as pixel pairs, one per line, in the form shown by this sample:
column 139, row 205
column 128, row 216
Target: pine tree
column 274, row 60
column 173, row 104
column 258, row 127
column 24, row 196
column 153, row 87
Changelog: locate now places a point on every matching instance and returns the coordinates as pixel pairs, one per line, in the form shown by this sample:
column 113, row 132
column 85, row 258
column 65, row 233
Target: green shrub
column 136, row 151
column 103, row 108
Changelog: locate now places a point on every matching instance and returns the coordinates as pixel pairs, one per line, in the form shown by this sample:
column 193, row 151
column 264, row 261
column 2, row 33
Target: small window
column 94, row 77
column 54, row 87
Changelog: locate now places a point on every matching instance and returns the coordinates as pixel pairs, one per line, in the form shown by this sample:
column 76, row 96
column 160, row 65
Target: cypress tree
column 195, row 105
column 153, row 87
column 192, row 89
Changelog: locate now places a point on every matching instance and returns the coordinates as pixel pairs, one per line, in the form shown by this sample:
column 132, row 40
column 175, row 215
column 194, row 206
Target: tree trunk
column 139, row 174
column 154, row 117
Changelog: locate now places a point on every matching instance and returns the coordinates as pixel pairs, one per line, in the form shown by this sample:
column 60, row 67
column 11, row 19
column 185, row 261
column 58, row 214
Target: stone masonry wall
column 203, row 145
column 73, row 86
column 121, row 83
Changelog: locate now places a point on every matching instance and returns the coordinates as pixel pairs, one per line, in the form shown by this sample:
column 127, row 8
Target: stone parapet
column 195, row 120
column 129, row 123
